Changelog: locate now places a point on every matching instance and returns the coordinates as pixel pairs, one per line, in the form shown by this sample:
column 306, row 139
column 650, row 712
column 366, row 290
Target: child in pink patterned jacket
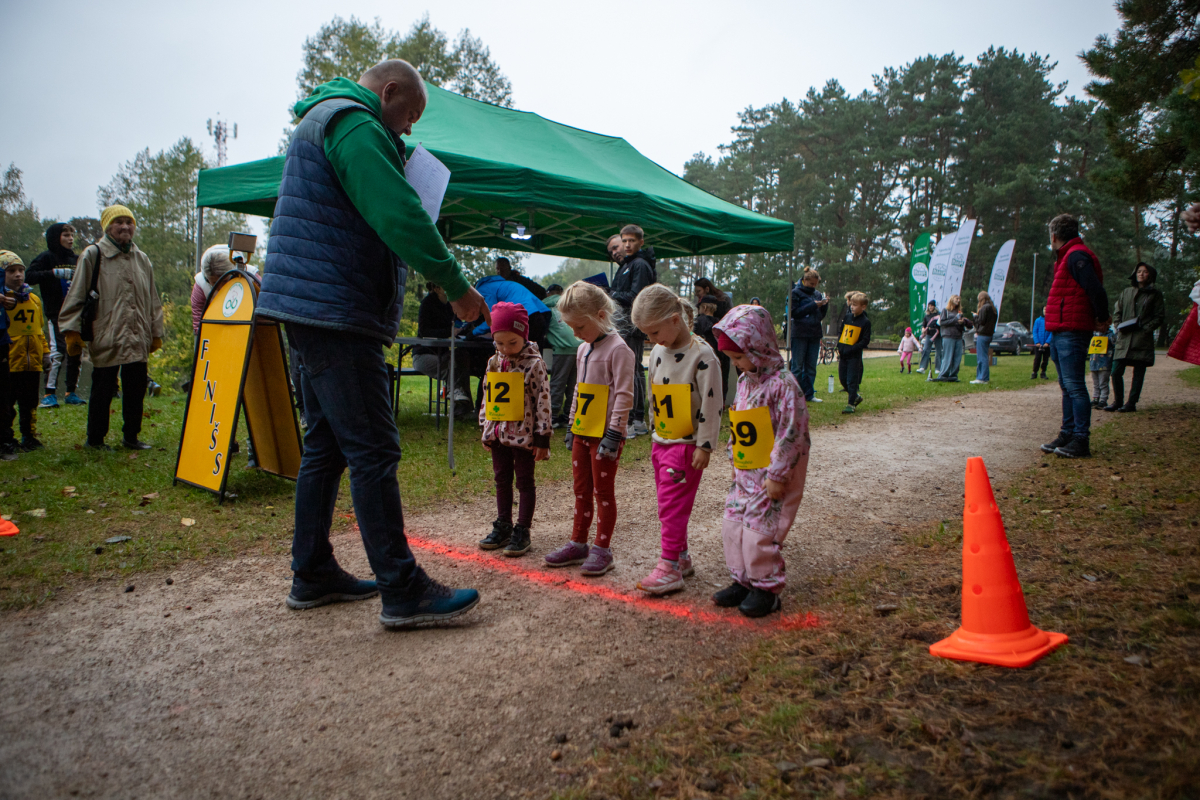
column 908, row 346
column 516, row 444
column 769, row 465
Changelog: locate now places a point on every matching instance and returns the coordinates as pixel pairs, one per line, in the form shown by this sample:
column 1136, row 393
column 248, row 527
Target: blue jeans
column 1068, row 351
column 952, row 350
column 983, row 358
column 805, row 353
column 344, row 382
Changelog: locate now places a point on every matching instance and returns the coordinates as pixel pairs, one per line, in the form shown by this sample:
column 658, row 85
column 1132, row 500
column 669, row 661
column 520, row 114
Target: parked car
column 1011, row 337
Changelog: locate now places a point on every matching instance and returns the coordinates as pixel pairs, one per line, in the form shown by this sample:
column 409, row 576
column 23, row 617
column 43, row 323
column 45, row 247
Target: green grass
column 1190, row 376
column 53, row 551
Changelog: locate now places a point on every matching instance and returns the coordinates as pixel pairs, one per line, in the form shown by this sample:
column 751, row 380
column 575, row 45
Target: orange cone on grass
column 995, row 623
column 7, row 528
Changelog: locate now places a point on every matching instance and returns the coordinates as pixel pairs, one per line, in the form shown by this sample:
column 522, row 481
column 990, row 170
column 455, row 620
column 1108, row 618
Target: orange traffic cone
column 995, row 623
column 8, row 529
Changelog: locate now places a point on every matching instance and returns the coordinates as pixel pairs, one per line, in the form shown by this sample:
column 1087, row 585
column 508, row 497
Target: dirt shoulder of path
column 209, row 687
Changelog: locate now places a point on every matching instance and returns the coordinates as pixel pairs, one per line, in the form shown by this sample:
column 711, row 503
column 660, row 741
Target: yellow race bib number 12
column 672, row 410
column 850, row 334
column 505, row 397
column 591, row 409
column 1099, row 346
column 752, row 437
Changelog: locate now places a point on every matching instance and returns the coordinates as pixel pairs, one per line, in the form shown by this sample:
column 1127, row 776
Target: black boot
column 500, row 536
column 1127, row 408
column 519, row 544
column 1113, row 406
column 759, row 603
column 1078, row 447
column 1062, row 439
column 731, row 595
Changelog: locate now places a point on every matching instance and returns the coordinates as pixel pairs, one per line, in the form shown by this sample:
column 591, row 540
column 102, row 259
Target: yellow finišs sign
column 850, row 334
column 673, row 410
column 504, row 398
column 752, row 436
column 1099, row 346
column 591, row 409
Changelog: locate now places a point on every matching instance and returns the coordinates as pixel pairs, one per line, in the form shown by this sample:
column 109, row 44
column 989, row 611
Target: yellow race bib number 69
column 752, row 437
column 505, row 397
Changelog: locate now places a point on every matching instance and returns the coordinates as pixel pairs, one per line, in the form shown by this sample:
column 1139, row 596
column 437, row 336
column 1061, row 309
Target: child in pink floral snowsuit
column 762, row 503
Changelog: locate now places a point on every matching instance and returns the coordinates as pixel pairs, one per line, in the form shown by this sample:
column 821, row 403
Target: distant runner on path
column 345, row 217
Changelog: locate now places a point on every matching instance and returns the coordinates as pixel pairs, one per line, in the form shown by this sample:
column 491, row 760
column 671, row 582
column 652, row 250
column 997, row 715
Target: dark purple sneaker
column 567, row 555
column 599, row 561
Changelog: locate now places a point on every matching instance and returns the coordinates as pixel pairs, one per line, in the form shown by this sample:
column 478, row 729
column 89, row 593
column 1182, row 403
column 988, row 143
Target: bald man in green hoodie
column 347, row 228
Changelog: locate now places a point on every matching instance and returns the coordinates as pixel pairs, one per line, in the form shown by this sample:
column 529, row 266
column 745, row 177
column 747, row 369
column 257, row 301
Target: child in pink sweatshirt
column 908, row 346
column 599, row 411
column 769, row 446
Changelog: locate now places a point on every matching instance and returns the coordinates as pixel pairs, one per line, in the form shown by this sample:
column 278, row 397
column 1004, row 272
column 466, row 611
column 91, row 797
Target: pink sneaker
column 664, row 578
column 570, row 553
column 685, row 565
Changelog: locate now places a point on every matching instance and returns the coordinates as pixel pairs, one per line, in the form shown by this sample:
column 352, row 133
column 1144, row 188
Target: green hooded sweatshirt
column 370, row 164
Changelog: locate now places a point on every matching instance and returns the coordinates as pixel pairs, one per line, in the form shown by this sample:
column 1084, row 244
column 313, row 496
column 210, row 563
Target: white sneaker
column 639, row 428
column 920, row 369
column 816, row 400
column 978, row 382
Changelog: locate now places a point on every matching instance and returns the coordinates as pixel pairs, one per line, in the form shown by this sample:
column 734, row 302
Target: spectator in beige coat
column 127, row 328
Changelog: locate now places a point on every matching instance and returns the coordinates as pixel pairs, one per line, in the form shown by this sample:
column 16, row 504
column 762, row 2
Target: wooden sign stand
column 239, row 362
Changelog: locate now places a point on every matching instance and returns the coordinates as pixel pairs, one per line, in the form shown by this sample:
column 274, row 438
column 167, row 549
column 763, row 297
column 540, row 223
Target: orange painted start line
column 655, row 605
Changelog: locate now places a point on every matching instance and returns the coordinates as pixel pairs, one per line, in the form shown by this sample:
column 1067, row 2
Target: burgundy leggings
column 594, row 476
column 507, row 461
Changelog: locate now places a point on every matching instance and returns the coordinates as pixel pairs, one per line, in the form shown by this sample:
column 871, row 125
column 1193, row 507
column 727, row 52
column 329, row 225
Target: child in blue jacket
column 1041, row 346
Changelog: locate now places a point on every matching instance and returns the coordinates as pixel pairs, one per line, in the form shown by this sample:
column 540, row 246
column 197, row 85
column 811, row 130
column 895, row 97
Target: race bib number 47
column 505, row 400
column 672, row 410
column 752, row 437
column 591, row 409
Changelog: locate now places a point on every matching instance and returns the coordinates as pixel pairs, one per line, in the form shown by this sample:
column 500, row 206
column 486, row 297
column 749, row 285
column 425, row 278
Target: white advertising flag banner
column 958, row 258
column 1000, row 273
column 938, row 264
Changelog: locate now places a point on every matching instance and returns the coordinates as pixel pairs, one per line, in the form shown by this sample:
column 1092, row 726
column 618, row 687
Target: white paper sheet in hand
column 429, row 177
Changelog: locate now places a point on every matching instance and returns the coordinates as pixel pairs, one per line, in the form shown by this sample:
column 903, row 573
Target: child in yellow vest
column 28, row 353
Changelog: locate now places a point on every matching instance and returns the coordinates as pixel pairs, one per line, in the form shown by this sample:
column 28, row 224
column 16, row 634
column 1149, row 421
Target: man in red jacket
column 1077, row 306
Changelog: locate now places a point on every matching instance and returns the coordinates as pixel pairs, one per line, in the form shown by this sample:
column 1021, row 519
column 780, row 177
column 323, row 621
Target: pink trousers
column 906, row 358
column 755, row 526
column 677, row 484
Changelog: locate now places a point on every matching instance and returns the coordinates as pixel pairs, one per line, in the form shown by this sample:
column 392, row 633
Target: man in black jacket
column 51, row 272
column 635, row 274
column 504, row 270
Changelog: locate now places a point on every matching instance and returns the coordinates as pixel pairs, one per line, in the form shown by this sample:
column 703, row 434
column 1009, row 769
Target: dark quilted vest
column 1068, row 307
column 325, row 265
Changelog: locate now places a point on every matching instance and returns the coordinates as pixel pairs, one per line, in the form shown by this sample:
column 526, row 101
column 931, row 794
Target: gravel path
column 210, row 687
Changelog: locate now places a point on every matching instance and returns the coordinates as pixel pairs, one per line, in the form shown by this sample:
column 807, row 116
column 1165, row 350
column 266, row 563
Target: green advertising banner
column 918, row 282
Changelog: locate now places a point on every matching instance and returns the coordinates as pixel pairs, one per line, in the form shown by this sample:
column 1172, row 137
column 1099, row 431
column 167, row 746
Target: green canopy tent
column 567, row 189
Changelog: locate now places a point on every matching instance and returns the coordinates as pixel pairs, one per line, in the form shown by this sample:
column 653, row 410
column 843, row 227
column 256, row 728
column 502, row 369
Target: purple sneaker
column 685, row 565
column 567, row 555
column 599, row 561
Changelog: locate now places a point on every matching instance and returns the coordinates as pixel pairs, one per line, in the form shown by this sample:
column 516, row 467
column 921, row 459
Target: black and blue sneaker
column 336, row 588
column 436, row 603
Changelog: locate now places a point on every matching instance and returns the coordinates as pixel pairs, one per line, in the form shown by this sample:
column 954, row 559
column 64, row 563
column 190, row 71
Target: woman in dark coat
column 707, row 292
column 1138, row 312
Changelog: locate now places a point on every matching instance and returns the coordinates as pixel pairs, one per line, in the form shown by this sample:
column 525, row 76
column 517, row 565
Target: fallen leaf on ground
column 36, row 512
column 117, row 539
column 187, row 522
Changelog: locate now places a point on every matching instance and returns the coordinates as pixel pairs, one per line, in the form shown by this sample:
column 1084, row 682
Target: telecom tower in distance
column 220, row 133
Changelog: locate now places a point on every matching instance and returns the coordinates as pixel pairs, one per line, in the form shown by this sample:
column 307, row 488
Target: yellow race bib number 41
column 505, row 397
column 672, row 410
column 752, row 437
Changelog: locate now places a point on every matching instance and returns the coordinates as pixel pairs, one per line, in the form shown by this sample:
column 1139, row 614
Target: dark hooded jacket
column 806, row 314
column 1135, row 343
column 41, row 271
column 635, row 273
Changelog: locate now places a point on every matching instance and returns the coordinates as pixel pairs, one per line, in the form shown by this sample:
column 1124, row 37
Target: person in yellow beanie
column 127, row 328
column 28, row 353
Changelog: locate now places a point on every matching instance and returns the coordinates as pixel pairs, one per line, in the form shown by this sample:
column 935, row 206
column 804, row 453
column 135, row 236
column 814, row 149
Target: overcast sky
column 89, row 85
